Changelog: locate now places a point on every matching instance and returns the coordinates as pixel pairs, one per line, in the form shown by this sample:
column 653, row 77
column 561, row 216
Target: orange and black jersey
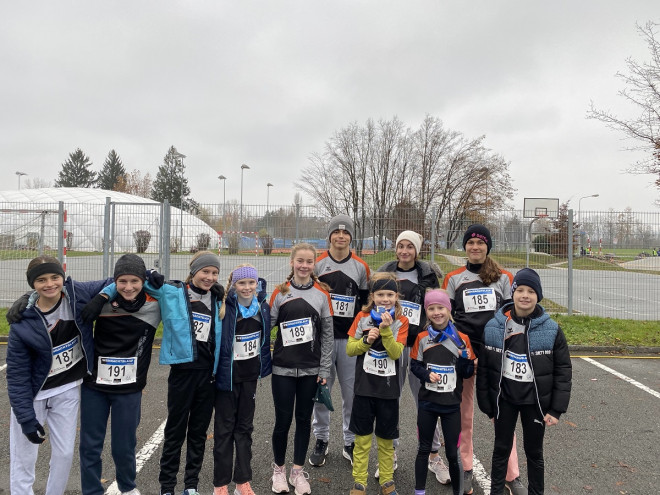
column 348, row 281
column 473, row 302
column 124, row 330
column 299, row 316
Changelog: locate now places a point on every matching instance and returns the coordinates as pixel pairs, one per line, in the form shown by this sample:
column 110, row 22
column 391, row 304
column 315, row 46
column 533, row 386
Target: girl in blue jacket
column 244, row 358
column 49, row 352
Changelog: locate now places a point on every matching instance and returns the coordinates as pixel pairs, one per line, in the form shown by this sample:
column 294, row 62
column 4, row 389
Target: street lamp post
column 268, row 186
column 224, row 195
column 180, row 156
column 240, row 224
column 20, row 174
column 580, row 216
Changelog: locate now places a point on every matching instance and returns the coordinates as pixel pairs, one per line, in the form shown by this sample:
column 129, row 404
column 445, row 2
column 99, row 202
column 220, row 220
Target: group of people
column 87, row 346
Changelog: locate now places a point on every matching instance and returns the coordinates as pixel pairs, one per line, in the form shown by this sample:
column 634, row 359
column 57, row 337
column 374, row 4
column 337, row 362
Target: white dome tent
column 29, row 214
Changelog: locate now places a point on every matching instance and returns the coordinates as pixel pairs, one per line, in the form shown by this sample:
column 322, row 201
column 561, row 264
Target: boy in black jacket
column 525, row 369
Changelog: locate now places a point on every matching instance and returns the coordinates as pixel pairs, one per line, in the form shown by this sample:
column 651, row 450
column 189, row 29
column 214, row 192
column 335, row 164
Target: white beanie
column 413, row 237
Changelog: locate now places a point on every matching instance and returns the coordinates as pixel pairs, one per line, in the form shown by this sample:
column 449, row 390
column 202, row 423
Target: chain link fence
column 614, row 270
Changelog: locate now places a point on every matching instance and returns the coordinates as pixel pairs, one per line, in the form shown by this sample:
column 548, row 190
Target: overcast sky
column 267, row 83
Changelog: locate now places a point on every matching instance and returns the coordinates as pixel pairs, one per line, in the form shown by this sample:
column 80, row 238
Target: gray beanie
column 130, row 264
column 204, row 260
column 341, row 222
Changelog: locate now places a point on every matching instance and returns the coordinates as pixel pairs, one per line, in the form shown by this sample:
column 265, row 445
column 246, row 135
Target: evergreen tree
column 170, row 181
column 76, row 171
column 111, row 173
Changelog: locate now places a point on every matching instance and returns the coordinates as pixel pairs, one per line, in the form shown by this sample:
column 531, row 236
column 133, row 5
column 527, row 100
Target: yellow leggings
column 361, row 459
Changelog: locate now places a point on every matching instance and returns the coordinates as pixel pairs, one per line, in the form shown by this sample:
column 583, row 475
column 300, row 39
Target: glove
column 155, row 279
column 14, row 313
column 34, row 432
column 93, row 308
column 218, row 291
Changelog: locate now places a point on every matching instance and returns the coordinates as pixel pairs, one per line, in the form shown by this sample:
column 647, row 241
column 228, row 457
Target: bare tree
column 642, row 90
column 37, row 183
column 135, row 183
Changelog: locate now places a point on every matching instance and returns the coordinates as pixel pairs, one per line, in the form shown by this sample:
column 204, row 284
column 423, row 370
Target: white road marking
column 480, row 475
column 2, row 368
column 143, row 456
column 623, row 377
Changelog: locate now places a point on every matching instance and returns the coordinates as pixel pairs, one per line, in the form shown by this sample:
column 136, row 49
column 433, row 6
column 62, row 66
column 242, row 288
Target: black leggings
column 451, row 430
column 287, row 391
column 533, row 430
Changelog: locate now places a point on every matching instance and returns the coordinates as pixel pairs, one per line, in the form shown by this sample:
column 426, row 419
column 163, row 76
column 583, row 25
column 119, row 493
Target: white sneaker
column 298, row 478
column 394, row 466
column 279, row 479
column 437, row 466
column 134, row 491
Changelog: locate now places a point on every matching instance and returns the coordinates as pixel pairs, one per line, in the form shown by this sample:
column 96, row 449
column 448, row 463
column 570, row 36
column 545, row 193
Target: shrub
column 203, row 241
column 266, row 241
column 141, row 239
column 233, row 243
column 7, row 241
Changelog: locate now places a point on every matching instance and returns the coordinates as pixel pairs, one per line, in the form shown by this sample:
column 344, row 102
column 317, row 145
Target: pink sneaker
column 242, row 489
column 298, row 478
column 279, row 479
column 220, row 490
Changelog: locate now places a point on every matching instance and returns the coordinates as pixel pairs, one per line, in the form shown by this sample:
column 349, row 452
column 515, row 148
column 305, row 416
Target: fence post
column 433, row 234
column 61, row 232
column 570, row 262
column 106, row 238
column 165, row 239
column 297, row 220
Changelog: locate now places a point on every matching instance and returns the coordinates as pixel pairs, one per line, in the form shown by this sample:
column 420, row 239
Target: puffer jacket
column 30, row 349
column 547, row 353
column 223, row 376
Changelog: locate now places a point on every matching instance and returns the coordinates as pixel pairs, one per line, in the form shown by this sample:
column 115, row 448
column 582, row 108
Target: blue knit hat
column 530, row 278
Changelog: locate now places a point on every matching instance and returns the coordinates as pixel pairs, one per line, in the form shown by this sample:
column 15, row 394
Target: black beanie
column 130, row 264
column 480, row 232
column 530, row 278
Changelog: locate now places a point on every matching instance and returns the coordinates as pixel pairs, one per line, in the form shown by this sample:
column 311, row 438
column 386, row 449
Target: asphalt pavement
column 607, row 443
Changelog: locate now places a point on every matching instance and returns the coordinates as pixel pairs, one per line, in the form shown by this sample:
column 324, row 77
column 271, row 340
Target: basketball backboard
column 541, row 207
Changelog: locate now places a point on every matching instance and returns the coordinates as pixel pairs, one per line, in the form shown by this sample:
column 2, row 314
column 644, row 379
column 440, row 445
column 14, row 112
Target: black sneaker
column 320, row 451
column 348, row 452
column 516, row 487
column 467, row 482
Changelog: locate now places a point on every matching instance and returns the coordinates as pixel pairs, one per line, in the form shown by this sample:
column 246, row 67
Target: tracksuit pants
column 96, row 408
column 427, row 423
column 343, row 369
column 234, row 417
column 287, row 392
column 415, row 385
column 190, row 399
column 467, row 428
column 533, row 428
column 60, row 413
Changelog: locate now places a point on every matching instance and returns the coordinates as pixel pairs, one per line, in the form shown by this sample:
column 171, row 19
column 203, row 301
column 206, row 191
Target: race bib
column 343, row 306
column 201, row 326
column 246, row 346
column 517, row 368
column 379, row 363
column 65, row 356
column 412, row 311
column 447, row 381
column 296, row 331
column 116, row 370
column 482, row 299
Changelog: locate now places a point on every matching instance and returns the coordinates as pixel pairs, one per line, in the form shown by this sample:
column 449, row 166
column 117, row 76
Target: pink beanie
column 437, row 296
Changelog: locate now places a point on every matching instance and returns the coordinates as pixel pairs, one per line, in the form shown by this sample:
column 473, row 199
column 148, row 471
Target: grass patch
column 591, row 330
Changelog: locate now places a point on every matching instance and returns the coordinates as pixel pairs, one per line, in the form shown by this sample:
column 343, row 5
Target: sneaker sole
column 315, row 465
column 281, row 491
column 346, row 456
column 300, row 493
